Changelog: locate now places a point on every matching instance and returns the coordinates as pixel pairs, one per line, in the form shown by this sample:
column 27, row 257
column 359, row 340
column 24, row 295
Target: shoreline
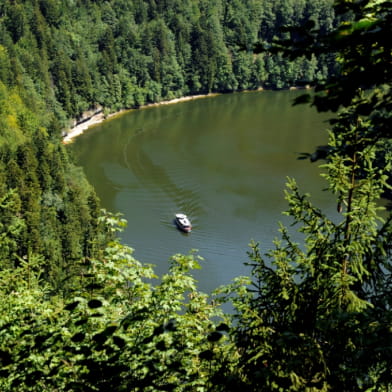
column 99, row 118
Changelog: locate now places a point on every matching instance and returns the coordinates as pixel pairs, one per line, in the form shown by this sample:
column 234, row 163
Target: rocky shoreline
column 97, row 116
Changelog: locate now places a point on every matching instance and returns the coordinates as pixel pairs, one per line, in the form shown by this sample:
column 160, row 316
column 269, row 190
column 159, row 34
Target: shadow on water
column 155, row 178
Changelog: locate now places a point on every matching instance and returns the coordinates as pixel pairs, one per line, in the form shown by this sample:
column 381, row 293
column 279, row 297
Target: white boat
column 183, row 223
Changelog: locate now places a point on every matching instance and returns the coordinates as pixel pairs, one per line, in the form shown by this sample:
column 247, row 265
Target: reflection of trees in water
column 155, row 177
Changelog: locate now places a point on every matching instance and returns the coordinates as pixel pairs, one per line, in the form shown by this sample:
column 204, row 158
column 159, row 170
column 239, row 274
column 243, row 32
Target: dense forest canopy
column 68, row 56
column 79, row 313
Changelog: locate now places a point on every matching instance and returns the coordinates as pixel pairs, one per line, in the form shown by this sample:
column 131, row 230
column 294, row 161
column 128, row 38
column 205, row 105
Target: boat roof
column 183, row 220
column 181, row 216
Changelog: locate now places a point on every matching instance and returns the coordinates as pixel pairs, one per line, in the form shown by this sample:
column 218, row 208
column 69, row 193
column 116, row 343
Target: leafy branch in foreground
column 360, row 45
column 319, row 313
column 120, row 331
column 318, row 316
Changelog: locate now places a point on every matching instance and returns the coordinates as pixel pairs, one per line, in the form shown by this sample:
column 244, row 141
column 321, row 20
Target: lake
column 222, row 160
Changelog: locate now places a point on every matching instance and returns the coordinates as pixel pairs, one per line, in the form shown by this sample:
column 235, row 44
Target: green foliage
column 317, row 316
column 75, row 57
column 318, row 306
column 11, row 225
column 119, row 331
column 78, row 312
column 47, row 206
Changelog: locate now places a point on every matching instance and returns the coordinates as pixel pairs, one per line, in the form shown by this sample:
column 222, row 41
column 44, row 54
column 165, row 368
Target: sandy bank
column 100, row 117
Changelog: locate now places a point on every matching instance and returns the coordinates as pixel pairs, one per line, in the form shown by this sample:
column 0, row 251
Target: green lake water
column 221, row 160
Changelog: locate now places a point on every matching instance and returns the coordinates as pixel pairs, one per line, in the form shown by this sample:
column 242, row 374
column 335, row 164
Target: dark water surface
column 222, row 160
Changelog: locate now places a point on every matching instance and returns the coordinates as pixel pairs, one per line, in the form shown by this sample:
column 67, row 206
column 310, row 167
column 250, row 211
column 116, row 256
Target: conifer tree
column 316, row 315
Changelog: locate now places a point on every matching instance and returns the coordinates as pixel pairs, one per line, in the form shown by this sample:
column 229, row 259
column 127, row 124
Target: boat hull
column 185, row 229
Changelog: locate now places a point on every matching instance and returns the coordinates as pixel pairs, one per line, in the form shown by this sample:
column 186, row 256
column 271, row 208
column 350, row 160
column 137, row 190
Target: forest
column 79, row 313
column 71, row 55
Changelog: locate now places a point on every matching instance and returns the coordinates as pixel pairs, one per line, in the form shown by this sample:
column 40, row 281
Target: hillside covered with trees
column 79, row 313
column 72, row 55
